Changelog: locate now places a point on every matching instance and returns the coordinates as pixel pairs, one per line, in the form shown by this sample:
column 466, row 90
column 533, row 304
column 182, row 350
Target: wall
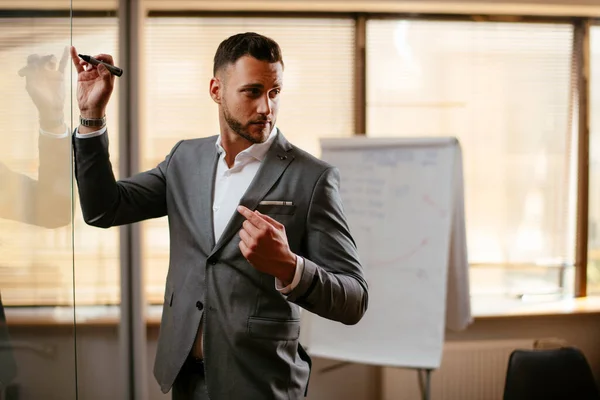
column 98, row 356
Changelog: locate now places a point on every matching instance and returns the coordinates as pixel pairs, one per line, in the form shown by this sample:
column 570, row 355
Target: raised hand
column 45, row 84
column 94, row 85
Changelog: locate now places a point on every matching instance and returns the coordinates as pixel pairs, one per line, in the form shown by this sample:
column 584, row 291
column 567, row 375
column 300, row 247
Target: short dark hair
column 246, row 44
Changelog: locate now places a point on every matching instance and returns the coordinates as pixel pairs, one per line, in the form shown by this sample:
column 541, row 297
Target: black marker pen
column 113, row 70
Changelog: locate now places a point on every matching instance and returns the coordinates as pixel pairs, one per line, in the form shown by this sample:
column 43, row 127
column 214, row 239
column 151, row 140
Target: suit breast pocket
column 273, row 209
column 274, row 329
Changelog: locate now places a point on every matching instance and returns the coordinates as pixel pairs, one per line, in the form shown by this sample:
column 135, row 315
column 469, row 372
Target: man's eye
column 253, row 92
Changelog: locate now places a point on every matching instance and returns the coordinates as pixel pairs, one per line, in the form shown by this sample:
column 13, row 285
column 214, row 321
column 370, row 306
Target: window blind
column 504, row 90
column 36, row 263
column 594, row 190
column 317, row 96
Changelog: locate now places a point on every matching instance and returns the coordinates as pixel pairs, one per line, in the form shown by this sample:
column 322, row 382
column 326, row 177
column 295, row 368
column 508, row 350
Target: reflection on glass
column 37, row 233
column 35, row 206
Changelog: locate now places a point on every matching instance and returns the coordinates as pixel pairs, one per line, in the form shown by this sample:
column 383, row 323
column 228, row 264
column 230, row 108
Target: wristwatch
column 94, row 122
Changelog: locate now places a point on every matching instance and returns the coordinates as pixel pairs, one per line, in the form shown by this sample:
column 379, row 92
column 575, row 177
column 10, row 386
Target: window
column 36, row 263
column 594, row 191
column 318, row 86
column 504, row 90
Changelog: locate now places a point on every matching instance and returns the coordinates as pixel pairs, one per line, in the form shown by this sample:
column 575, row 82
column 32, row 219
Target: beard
column 244, row 130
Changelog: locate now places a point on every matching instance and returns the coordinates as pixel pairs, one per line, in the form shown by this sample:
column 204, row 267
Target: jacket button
column 212, row 261
column 199, row 305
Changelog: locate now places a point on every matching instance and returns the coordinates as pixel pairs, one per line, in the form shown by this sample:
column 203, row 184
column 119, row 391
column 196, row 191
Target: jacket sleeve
column 332, row 284
column 106, row 202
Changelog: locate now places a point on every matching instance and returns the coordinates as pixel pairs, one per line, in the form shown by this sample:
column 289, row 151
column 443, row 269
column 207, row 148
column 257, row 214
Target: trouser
column 190, row 383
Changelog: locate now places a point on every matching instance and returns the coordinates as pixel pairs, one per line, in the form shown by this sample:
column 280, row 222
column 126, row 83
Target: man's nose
column 264, row 105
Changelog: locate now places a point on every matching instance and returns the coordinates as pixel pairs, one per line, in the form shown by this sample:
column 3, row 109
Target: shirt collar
column 257, row 150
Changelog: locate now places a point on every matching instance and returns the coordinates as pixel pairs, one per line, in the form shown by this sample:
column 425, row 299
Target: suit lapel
column 275, row 162
column 208, row 165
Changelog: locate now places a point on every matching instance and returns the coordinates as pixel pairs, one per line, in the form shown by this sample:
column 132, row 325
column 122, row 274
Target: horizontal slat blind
column 504, row 90
column 317, row 96
column 36, row 263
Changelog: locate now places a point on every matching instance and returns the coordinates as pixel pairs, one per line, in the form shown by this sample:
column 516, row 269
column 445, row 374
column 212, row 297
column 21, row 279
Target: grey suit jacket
column 251, row 331
column 8, row 366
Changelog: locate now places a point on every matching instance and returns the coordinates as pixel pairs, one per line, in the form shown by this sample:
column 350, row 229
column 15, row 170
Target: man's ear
column 216, row 88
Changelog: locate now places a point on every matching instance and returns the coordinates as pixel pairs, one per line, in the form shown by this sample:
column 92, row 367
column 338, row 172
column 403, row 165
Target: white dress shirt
column 232, row 183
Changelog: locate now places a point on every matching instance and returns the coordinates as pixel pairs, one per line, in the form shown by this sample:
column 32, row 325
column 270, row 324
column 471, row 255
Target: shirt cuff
column 55, row 135
column 295, row 281
column 89, row 135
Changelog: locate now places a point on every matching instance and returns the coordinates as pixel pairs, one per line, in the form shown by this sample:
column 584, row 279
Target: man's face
column 249, row 97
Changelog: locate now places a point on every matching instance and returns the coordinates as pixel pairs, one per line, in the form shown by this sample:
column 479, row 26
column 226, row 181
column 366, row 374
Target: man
column 237, row 275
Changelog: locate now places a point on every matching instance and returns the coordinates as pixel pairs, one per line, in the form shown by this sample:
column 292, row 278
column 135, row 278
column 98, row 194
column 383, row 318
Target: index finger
column 251, row 216
column 76, row 60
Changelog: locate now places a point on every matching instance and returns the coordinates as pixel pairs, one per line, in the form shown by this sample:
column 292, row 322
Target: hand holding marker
column 113, row 70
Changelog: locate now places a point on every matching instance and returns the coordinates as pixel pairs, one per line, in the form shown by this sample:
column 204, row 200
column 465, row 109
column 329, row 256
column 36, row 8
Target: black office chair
column 554, row 374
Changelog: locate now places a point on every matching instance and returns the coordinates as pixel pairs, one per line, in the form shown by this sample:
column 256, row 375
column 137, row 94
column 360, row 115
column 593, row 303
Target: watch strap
column 93, row 122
